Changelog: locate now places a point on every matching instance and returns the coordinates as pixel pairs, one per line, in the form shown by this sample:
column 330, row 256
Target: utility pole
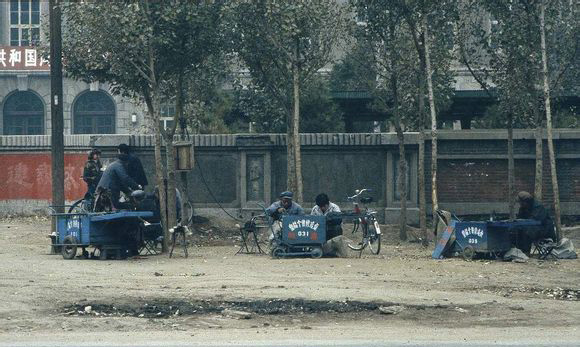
column 56, row 117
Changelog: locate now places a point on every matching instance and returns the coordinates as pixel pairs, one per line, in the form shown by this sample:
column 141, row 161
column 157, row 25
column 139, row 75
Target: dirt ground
column 215, row 295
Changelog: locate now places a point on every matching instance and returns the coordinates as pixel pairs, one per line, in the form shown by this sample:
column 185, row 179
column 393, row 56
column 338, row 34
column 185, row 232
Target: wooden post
column 56, row 102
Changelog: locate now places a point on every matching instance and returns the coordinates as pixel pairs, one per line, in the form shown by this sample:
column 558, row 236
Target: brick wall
column 240, row 171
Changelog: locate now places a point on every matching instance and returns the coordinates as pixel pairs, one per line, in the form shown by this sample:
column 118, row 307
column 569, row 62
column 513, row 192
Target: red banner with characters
column 28, row 176
column 16, row 58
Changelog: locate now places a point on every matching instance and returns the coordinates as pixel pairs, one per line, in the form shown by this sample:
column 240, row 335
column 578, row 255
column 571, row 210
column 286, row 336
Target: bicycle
column 367, row 221
column 83, row 205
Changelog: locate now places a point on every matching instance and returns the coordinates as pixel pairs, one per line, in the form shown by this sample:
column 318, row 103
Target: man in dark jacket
column 116, row 180
column 134, row 166
column 532, row 209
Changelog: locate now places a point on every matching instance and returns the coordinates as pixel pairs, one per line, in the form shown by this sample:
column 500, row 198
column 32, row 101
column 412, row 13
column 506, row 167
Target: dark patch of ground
column 165, row 308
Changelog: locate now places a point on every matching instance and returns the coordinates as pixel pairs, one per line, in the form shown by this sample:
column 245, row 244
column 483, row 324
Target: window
column 23, row 114
column 24, row 22
column 167, row 113
column 94, row 113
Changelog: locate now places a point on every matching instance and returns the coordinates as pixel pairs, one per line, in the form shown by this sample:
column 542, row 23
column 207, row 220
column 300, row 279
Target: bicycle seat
column 366, row 200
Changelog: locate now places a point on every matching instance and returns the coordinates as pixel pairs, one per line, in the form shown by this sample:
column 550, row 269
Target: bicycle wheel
column 187, row 213
column 78, row 206
column 359, row 247
column 374, row 236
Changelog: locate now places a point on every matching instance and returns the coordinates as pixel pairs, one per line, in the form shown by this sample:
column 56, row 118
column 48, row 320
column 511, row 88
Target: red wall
column 28, row 176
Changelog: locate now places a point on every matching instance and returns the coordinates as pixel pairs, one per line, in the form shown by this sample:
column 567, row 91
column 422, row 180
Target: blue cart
column 491, row 238
column 301, row 236
column 109, row 233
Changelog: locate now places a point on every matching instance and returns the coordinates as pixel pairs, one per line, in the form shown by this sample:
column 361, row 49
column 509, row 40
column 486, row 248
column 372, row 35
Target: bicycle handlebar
column 358, row 193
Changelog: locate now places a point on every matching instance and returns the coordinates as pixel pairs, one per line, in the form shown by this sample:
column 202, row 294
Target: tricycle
column 469, row 239
column 301, row 235
column 109, row 233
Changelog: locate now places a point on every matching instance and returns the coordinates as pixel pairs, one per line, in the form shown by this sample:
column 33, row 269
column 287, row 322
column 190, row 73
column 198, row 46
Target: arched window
column 94, row 113
column 23, row 114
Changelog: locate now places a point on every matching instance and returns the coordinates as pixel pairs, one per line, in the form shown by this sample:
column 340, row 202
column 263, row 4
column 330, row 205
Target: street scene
column 289, row 173
column 216, row 297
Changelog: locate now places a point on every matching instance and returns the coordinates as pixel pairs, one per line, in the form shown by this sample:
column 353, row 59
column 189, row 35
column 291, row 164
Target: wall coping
column 275, row 140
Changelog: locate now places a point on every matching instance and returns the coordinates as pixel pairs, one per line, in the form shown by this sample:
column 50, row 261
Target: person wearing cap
column 134, row 166
column 92, row 171
column 530, row 208
column 284, row 206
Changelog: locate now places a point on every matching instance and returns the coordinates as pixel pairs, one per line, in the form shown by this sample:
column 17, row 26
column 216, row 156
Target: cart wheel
column 316, row 252
column 468, row 253
column 85, row 253
column 278, row 252
column 69, row 248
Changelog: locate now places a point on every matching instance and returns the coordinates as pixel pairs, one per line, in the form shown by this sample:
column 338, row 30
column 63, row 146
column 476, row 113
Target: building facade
column 25, row 83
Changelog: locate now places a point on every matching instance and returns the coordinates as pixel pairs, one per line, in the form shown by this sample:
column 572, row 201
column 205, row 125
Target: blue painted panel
column 76, row 225
column 513, row 224
column 304, row 230
column 472, row 234
column 120, row 215
column 443, row 241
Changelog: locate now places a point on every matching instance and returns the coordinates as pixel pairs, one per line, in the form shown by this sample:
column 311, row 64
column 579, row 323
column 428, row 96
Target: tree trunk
column 152, row 95
column 402, row 172
column 153, row 108
column 421, row 163
column 421, row 188
column 549, row 122
column 290, row 154
column 296, row 126
column 433, row 123
column 402, row 184
column 511, row 167
column 296, row 138
column 171, row 206
column 539, row 162
column 170, row 155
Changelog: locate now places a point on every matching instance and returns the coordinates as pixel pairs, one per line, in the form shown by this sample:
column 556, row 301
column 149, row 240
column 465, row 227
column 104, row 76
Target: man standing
column 92, row 172
column 134, row 166
column 115, row 179
column 532, row 209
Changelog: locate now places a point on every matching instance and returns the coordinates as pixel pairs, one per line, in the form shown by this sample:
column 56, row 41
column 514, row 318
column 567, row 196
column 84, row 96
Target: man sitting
column 281, row 207
column 326, row 208
column 284, row 206
column 532, row 209
column 116, row 180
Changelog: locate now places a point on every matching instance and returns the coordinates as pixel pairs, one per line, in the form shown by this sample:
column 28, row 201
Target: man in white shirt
column 323, row 206
column 326, row 208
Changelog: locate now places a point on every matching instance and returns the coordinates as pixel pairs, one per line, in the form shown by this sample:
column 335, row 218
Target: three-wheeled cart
column 110, row 233
column 301, row 235
column 489, row 238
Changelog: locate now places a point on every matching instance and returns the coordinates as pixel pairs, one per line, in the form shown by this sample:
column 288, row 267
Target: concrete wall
column 240, row 171
column 39, row 83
